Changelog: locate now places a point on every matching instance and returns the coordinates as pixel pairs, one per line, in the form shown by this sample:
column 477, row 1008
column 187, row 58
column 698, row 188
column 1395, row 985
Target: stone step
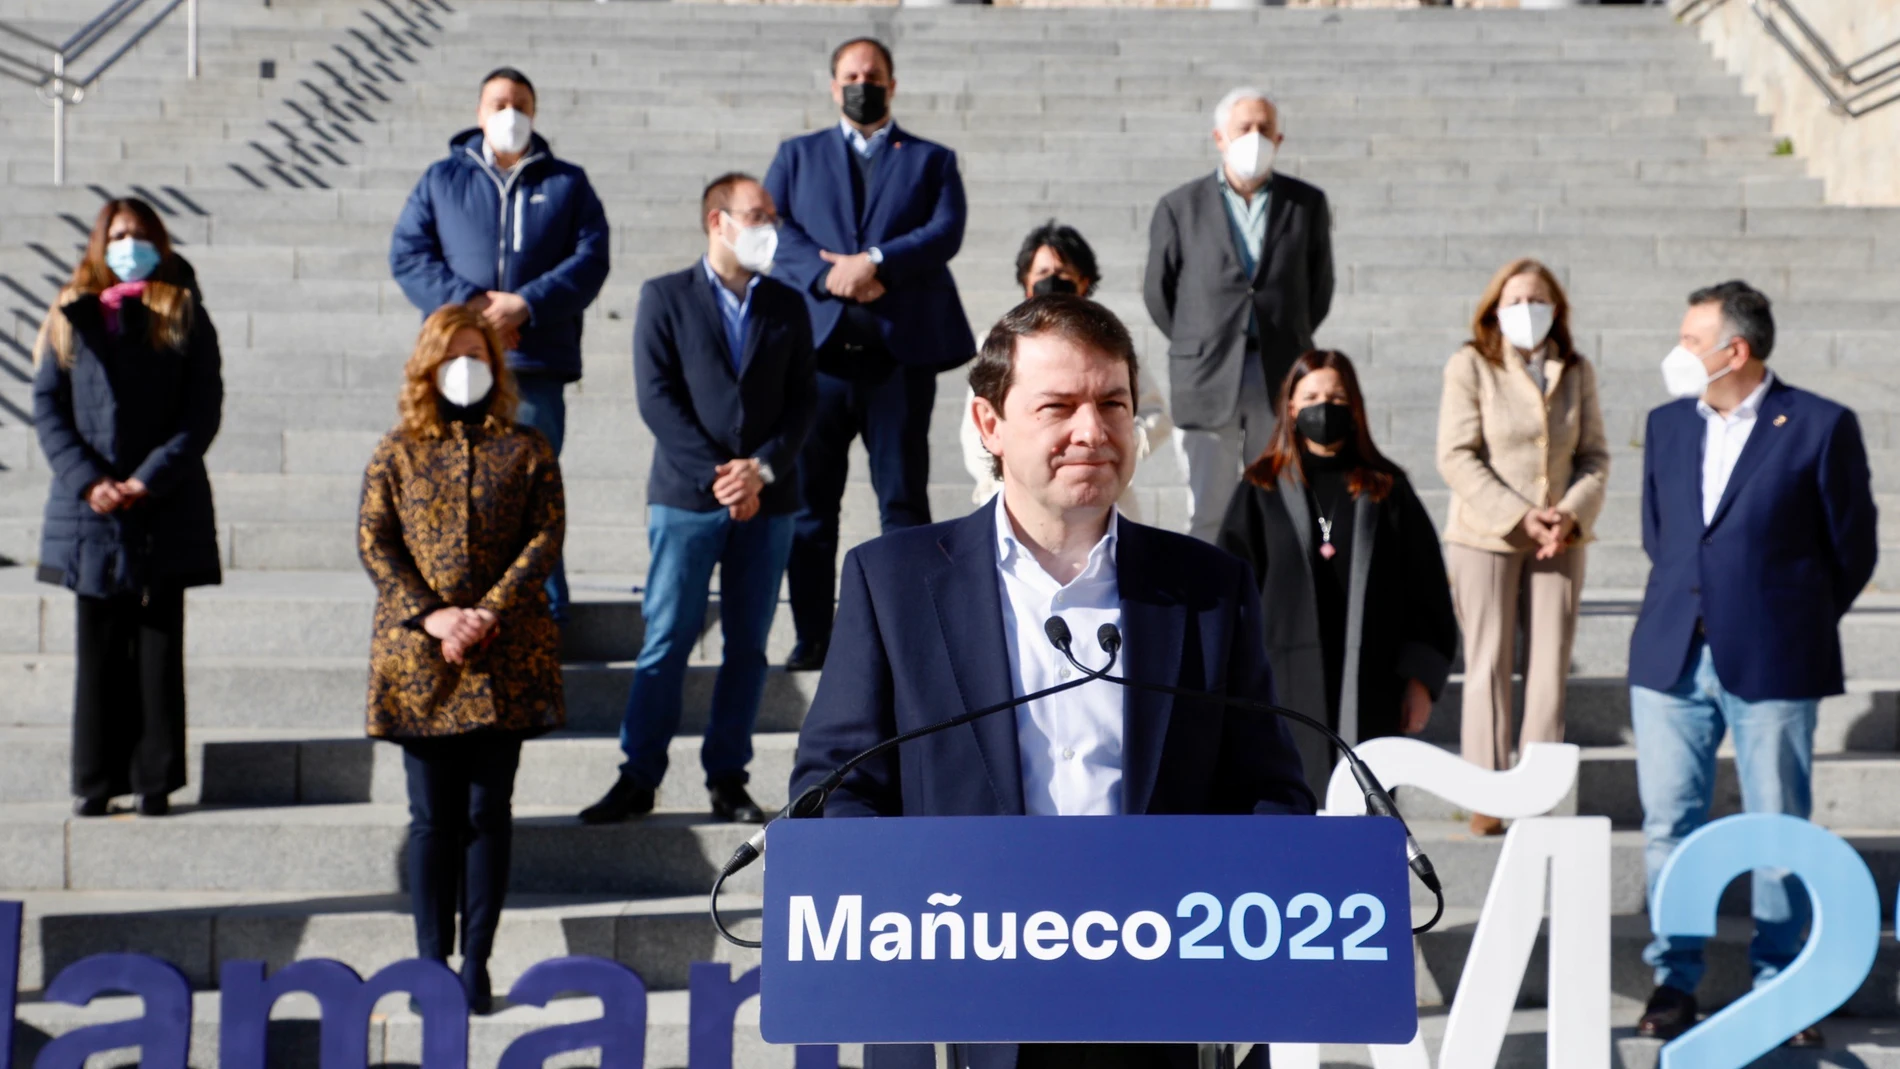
column 1441, row 955
column 1851, row 790
column 659, row 938
column 348, row 849
column 252, row 768
column 1465, row 864
column 327, row 614
column 395, row 1034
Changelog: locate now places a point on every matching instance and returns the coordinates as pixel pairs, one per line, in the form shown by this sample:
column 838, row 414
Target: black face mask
column 470, row 414
column 866, row 102
column 1326, row 424
column 1052, row 284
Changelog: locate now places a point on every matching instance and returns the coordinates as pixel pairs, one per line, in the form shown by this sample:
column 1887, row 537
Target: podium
column 1150, row 929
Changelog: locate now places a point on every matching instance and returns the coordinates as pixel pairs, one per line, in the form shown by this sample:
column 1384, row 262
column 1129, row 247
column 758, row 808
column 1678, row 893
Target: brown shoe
column 1809, row 1037
column 1483, row 826
column 1669, row 1014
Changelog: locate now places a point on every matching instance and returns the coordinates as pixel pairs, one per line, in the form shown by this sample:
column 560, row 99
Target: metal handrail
column 1870, row 91
column 61, row 90
column 1858, row 91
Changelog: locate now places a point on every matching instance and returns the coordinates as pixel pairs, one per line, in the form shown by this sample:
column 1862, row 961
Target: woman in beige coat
column 1521, row 445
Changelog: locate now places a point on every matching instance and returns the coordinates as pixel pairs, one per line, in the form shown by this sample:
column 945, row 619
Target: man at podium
column 933, row 621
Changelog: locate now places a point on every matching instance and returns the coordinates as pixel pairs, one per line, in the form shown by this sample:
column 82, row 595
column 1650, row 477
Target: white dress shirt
column 1722, row 444
column 1070, row 745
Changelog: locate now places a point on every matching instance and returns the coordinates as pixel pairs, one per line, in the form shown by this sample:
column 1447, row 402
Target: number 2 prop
column 1842, row 940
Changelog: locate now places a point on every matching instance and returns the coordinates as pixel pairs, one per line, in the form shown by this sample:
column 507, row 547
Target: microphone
column 1378, row 801
column 811, row 803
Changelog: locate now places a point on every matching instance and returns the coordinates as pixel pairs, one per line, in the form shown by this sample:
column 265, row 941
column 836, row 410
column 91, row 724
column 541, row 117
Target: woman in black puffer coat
column 127, row 396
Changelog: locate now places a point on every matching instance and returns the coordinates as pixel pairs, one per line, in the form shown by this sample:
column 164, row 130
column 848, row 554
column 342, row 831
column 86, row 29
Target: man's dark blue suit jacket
column 913, row 212
column 701, row 410
column 919, row 639
column 1791, row 545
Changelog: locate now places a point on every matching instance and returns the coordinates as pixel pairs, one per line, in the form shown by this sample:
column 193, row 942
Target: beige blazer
column 1504, row 450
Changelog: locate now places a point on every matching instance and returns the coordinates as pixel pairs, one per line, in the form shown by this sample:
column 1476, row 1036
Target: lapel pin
column 1781, row 420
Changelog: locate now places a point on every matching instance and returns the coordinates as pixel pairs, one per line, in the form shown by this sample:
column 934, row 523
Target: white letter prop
column 1543, row 778
column 1576, row 853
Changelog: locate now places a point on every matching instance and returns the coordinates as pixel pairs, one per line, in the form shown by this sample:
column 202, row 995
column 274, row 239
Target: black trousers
column 129, row 695
column 861, row 392
column 461, row 836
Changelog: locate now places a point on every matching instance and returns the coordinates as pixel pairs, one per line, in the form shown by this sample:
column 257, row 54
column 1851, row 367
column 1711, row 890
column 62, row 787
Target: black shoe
column 91, row 807
column 731, row 803
column 1808, row 1038
column 155, row 805
column 481, row 999
column 807, row 656
column 624, row 799
column 1669, row 1014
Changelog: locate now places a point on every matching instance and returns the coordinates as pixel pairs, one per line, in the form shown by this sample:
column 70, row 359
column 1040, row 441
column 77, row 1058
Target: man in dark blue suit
column 872, row 217
column 933, row 621
column 1758, row 518
column 722, row 361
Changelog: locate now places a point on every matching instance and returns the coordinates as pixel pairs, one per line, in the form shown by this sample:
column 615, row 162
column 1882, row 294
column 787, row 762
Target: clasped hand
column 461, row 630
column 1551, row 529
column 109, row 495
column 852, row 277
column 504, row 312
column 737, row 485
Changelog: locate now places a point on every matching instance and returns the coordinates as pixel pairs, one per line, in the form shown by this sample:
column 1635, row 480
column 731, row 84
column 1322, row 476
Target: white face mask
column 1250, row 156
column 508, row 131
column 1526, row 324
column 1685, row 375
column 464, row 381
column 755, row 246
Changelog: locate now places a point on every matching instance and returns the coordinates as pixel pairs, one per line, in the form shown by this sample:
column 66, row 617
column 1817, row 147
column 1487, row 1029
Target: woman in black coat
column 127, row 396
column 1360, row 628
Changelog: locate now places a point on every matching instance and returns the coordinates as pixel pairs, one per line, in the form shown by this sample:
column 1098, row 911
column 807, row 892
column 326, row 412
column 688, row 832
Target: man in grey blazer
column 1240, row 275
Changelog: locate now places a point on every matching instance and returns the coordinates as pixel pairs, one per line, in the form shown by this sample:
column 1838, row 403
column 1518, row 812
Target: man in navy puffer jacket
column 502, row 226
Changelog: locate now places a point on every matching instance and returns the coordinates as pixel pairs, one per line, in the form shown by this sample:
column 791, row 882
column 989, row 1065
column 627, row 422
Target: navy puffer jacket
column 539, row 232
column 125, row 410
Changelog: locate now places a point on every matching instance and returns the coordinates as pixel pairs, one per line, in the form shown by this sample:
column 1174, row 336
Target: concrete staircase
column 1604, row 141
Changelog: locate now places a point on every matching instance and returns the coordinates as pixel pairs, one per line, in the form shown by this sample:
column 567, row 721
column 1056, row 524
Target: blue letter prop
column 345, row 1000
column 1842, row 941
column 163, row 1032
column 620, row 1031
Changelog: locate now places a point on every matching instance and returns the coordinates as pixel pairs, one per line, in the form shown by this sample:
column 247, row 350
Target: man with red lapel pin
column 1758, row 518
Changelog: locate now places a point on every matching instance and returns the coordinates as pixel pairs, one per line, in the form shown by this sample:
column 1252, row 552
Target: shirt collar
column 862, row 145
column 1101, row 560
column 1750, row 406
column 719, row 284
column 1259, row 201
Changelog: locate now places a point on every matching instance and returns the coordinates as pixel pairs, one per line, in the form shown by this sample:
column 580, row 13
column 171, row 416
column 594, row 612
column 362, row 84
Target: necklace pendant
column 1326, row 551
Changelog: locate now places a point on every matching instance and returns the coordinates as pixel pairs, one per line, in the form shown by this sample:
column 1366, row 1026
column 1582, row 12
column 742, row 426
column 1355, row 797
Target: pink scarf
column 114, row 296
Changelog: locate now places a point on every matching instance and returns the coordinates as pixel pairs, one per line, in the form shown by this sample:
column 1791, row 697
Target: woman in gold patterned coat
column 462, row 520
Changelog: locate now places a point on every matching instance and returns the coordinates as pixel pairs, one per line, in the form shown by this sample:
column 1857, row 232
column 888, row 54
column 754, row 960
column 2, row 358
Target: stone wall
column 1857, row 158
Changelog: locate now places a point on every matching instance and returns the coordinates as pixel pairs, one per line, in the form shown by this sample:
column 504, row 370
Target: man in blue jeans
column 504, row 227
column 1758, row 518
column 722, row 361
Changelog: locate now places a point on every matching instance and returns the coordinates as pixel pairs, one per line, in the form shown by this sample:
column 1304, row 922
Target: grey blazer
column 1198, row 295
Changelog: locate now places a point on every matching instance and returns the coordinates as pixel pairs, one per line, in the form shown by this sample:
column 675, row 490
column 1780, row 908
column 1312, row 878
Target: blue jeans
column 1677, row 732
column 544, row 407
column 751, row 558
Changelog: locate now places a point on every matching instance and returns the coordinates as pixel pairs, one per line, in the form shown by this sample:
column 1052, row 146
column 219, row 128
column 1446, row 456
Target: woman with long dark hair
column 127, row 396
column 1360, row 630
column 462, row 520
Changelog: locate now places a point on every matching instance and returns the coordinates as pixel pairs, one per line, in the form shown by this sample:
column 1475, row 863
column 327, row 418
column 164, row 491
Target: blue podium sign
column 1087, row 930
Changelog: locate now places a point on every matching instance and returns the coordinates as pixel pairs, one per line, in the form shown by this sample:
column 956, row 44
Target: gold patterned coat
column 474, row 519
